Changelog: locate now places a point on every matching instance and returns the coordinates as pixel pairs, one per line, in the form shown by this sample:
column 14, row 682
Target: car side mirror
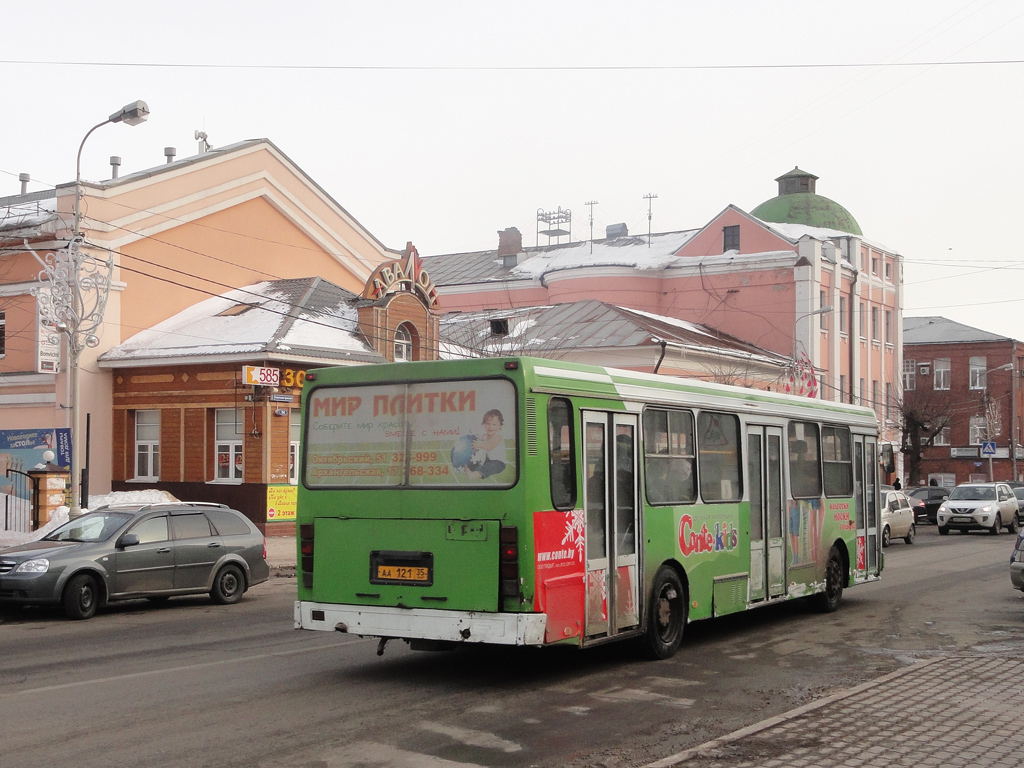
column 129, row 540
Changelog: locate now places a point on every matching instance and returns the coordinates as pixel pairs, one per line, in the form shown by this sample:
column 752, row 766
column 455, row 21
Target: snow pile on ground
column 60, row 515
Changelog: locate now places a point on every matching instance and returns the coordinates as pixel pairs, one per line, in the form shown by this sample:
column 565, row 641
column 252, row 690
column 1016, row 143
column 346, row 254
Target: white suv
column 988, row 506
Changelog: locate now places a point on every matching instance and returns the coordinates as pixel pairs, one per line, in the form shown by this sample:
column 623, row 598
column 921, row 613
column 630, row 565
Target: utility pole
column 649, row 198
column 590, row 204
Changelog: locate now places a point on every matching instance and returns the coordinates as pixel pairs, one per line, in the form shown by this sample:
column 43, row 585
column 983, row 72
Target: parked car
column 123, row 552
column 985, row 506
column 1017, row 562
column 930, row 498
column 1018, row 491
column 897, row 516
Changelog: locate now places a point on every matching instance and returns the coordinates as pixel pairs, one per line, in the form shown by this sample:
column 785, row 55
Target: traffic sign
column 256, row 376
column 988, row 448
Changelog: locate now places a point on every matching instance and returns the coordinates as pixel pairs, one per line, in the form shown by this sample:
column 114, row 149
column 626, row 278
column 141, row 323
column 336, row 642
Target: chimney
column 24, row 178
column 510, row 245
column 115, row 163
column 616, row 230
column 169, row 153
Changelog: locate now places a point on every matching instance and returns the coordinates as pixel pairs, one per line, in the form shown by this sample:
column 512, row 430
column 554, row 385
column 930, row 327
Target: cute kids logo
column 722, row 538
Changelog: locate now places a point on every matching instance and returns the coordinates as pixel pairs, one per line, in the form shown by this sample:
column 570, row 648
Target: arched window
column 403, row 344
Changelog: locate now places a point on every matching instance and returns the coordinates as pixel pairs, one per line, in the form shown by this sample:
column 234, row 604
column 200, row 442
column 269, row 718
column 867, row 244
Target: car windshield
column 973, row 493
column 96, row 526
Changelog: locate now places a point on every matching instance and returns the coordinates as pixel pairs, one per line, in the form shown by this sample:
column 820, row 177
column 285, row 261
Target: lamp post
column 988, row 418
column 78, row 297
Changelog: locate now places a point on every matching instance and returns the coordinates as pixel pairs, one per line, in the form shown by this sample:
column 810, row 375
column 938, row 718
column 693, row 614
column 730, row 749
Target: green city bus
column 524, row 501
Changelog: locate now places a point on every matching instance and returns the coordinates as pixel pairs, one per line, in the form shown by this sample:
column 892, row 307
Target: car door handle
column 163, row 550
column 213, row 544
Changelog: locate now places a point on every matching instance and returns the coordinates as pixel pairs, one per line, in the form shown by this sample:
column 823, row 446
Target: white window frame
column 941, row 437
column 229, row 445
column 295, row 437
column 909, row 375
column 979, row 430
column 978, row 368
column 403, row 344
column 942, row 378
column 147, row 445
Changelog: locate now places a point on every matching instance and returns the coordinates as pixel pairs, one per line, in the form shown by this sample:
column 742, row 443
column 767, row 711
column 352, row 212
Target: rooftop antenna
column 649, row 198
column 590, row 204
column 204, row 145
column 554, row 221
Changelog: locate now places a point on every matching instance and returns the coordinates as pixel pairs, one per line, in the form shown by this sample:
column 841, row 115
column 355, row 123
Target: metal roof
column 942, row 330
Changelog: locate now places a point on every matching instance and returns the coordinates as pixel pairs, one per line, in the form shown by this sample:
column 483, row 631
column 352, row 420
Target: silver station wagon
column 132, row 551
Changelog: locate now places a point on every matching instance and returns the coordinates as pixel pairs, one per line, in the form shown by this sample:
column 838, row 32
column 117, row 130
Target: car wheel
column 943, row 530
column 909, row 538
column 228, row 585
column 1014, row 525
column 666, row 615
column 886, row 537
column 835, row 576
column 81, row 597
column 996, row 525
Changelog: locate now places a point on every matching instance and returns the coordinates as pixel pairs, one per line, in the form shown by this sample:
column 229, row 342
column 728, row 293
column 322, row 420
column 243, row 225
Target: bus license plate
column 403, row 573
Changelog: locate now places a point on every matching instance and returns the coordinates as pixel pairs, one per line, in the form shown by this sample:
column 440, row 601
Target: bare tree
column 925, row 413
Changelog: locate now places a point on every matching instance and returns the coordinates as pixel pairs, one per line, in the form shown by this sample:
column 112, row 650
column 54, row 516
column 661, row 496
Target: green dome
column 797, row 203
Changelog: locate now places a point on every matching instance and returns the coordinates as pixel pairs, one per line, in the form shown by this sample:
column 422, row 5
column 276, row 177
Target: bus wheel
column 666, row 615
column 835, row 575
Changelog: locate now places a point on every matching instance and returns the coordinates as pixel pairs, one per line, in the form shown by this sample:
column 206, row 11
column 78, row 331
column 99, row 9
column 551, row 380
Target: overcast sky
column 444, row 122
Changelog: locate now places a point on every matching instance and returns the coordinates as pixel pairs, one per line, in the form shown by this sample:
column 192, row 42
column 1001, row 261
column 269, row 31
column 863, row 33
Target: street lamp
column 988, row 419
column 78, row 297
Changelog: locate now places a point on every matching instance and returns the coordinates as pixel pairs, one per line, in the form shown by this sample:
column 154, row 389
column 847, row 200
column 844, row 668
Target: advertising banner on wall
column 281, row 503
column 23, row 449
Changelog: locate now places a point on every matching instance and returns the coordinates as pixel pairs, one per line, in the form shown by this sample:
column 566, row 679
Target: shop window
column 230, row 461
column 147, row 445
column 294, row 437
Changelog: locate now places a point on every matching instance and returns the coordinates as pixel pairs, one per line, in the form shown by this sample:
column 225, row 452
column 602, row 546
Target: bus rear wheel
column 835, row 576
column 666, row 615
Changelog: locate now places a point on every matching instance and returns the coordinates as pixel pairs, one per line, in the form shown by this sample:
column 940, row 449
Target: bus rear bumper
column 423, row 623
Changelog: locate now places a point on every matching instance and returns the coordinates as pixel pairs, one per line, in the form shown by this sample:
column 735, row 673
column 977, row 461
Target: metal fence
column 20, row 502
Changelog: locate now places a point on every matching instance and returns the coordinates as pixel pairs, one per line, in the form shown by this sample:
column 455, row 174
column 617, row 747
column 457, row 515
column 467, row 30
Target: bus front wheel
column 666, row 615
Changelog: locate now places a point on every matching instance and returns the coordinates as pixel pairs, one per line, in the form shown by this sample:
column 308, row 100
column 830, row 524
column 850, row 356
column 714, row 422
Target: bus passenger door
column 610, row 499
column 865, row 490
column 767, row 513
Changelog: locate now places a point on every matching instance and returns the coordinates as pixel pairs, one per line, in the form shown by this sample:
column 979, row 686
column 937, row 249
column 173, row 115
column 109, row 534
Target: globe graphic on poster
column 462, row 451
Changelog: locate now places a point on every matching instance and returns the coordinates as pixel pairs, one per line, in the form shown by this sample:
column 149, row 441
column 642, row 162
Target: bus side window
column 804, row 464
column 560, row 454
column 668, row 457
column 718, row 456
column 838, row 458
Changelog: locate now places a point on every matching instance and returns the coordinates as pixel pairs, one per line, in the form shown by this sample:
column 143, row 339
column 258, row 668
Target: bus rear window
column 446, row 434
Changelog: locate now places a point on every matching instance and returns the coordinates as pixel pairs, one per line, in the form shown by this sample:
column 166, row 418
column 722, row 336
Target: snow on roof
column 633, row 251
column 31, row 209
column 279, row 316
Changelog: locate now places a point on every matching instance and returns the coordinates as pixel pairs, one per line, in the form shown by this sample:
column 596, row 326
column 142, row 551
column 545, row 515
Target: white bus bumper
column 423, row 623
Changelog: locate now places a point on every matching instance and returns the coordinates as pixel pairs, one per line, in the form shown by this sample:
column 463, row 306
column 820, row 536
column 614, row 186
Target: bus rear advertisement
column 523, row 501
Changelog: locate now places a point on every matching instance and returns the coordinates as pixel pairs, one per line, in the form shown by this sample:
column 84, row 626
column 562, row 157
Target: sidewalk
column 947, row 712
column 281, row 555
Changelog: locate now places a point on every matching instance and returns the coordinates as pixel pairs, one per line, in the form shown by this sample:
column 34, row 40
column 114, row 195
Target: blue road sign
column 988, row 448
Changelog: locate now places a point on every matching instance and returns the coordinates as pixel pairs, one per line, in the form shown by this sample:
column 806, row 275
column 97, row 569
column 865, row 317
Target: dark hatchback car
column 132, row 551
column 927, row 500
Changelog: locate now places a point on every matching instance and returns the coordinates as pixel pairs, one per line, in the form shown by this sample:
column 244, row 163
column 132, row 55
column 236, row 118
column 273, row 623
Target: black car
column 139, row 550
column 932, row 497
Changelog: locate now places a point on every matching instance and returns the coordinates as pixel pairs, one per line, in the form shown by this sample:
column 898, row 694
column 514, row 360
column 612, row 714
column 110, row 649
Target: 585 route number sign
column 256, row 376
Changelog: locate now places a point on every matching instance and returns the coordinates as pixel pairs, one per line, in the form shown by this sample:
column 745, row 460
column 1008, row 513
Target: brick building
column 965, row 385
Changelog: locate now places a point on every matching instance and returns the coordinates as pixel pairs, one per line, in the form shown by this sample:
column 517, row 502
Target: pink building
column 795, row 276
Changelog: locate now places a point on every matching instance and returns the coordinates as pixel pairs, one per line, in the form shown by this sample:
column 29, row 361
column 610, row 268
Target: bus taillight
column 306, row 551
column 509, row 562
